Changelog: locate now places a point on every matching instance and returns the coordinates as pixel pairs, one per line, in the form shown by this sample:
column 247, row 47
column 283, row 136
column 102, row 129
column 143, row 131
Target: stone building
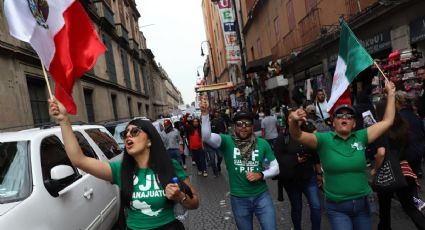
column 125, row 82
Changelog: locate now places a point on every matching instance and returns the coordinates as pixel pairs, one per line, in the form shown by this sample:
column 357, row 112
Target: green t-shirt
column 149, row 207
column 344, row 165
column 239, row 185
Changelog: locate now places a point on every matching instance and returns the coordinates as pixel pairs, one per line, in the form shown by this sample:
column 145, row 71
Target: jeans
column 261, row 205
column 349, row 215
column 405, row 196
column 311, row 191
column 175, row 154
column 199, row 157
column 212, row 155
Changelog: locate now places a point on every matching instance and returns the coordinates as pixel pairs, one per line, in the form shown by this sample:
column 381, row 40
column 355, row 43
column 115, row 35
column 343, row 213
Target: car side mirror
column 61, row 172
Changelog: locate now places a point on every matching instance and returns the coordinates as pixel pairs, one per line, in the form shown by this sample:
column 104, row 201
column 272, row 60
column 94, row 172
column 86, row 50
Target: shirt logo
column 359, row 146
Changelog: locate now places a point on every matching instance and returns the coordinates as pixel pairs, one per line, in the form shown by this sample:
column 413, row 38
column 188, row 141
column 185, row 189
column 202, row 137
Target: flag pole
column 47, row 80
column 380, row 70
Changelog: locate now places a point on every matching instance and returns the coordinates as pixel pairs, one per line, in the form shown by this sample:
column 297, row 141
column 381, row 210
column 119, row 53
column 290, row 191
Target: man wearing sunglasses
column 244, row 154
column 342, row 156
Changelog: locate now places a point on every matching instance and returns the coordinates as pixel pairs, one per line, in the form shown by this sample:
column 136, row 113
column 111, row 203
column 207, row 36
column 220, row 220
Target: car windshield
column 118, row 129
column 15, row 181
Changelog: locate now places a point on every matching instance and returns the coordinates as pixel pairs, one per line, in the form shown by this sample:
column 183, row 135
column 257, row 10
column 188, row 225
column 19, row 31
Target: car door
column 71, row 204
column 104, row 195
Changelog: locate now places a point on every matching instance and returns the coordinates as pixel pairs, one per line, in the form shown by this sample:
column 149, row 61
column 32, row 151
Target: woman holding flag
column 145, row 175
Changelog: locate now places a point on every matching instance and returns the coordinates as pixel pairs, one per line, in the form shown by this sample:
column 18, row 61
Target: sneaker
column 199, row 173
column 193, row 163
column 205, row 174
column 184, row 166
column 418, row 203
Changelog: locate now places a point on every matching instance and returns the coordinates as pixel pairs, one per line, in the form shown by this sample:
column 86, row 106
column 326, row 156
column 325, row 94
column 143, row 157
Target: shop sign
column 377, row 42
column 417, row 30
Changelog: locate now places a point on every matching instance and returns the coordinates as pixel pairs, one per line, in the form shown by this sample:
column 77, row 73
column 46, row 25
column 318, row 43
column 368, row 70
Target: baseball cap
column 243, row 115
column 346, row 107
column 167, row 122
column 310, row 109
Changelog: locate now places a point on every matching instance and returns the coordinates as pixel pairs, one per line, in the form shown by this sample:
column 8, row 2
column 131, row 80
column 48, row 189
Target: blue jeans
column 175, row 154
column 349, row 215
column 212, row 155
column 311, row 191
column 261, row 205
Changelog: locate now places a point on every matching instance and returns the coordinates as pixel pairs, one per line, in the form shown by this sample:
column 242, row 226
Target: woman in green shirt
column 144, row 176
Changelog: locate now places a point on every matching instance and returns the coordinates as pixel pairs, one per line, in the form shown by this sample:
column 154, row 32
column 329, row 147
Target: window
column 145, row 78
column 114, row 106
column 277, row 28
column 85, row 146
column 109, row 56
column 147, row 110
column 291, row 14
column 105, row 142
column 52, row 153
column 139, row 108
column 38, row 100
column 88, row 98
column 136, row 75
column 130, row 109
column 124, row 60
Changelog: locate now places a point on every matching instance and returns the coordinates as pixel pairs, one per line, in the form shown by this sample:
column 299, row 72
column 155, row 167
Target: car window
column 52, row 153
column 85, row 146
column 105, row 142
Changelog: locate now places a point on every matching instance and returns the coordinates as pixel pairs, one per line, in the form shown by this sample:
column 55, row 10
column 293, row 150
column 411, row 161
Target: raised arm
column 212, row 139
column 295, row 119
column 97, row 168
column 376, row 130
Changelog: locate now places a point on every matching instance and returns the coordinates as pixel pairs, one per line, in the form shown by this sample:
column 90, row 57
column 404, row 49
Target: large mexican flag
column 352, row 59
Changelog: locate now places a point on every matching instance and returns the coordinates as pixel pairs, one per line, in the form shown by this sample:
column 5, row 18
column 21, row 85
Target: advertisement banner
column 233, row 54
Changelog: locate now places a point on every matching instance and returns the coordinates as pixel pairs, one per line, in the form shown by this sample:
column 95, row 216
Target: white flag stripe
column 23, row 24
column 340, row 82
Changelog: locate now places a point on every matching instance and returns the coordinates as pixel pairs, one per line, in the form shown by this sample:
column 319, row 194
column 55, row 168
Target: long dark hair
column 191, row 128
column 398, row 134
column 159, row 161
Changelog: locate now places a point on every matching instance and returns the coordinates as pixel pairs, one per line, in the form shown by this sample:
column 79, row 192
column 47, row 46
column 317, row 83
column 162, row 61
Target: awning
column 212, row 87
column 258, row 64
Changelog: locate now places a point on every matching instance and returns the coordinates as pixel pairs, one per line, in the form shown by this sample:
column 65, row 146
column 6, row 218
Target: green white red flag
column 352, row 59
column 63, row 36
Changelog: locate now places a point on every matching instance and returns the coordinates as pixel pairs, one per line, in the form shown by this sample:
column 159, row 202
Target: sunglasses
column 134, row 132
column 344, row 115
column 242, row 123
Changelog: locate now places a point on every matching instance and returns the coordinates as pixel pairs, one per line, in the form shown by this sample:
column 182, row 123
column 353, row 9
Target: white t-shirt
column 323, row 107
column 269, row 124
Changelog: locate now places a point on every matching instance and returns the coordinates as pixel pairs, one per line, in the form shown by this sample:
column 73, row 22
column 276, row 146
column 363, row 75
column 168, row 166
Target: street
column 215, row 211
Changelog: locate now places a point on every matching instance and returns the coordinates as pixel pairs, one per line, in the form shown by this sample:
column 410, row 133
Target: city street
column 215, row 212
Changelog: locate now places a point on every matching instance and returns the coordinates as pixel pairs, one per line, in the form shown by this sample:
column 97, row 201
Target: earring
column 149, row 144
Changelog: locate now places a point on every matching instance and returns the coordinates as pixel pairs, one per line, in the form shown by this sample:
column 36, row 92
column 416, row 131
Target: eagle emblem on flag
column 40, row 11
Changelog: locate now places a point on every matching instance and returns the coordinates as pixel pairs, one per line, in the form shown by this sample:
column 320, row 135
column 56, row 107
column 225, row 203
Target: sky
column 174, row 31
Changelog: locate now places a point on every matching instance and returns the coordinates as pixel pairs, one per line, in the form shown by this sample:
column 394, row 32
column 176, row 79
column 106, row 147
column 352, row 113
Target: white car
column 40, row 189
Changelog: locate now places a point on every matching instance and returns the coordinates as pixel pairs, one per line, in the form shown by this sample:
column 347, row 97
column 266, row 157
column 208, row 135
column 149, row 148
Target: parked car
column 41, row 189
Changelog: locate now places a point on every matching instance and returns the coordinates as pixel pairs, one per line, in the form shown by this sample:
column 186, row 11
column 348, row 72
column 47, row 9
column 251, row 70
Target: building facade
column 124, row 82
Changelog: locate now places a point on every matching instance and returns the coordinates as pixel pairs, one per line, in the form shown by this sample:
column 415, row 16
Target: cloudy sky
column 174, row 31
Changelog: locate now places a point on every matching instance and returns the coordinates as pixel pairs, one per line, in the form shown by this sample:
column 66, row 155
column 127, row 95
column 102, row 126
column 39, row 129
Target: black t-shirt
column 393, row 147
column 286, row 150
column 217, row 125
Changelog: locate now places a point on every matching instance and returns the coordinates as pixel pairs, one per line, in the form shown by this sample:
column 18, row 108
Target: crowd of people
column 322, row 155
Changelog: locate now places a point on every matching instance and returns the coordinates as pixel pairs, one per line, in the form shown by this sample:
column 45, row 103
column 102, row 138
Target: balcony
column 105, row 13
column 310, row 27
column 122, row 32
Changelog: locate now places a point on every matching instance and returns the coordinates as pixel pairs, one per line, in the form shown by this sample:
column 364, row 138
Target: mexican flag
column 63, row 36
column 352, row 59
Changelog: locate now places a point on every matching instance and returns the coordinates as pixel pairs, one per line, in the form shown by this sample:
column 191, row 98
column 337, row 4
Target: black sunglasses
column 344, row 115
column 242, row 123
column 134, row 132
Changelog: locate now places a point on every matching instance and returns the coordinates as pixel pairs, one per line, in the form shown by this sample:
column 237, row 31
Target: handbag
column 389, row 176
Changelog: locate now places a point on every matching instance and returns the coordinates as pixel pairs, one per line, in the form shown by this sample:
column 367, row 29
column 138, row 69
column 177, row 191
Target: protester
column 269, row 128
column 395, row 142
column 172, row 141
column 243, row 154
column 342, row 157
column 135, row 173
column 318, row 122
column 182, row 130
column 301, row 175
column 321, row 106
column 196, row 146
column 218, row 125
